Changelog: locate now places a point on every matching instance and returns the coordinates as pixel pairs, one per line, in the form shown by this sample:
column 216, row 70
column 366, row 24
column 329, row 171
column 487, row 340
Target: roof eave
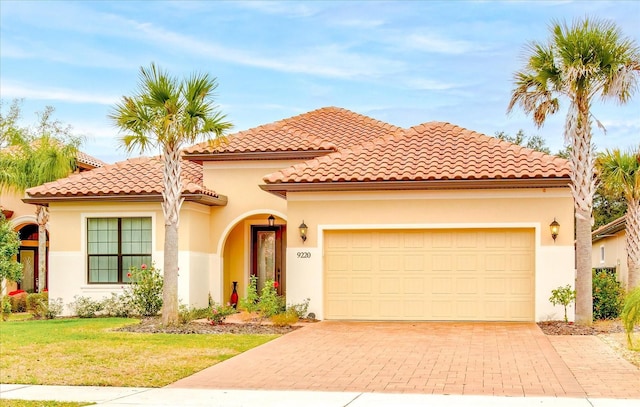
column 609, row 229
column 257, row 155
column 204, row 199
column 281, row 189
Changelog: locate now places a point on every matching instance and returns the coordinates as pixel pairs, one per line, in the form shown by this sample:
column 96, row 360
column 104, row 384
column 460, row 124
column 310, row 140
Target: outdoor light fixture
column 555, row 228
column 271, row 220
column 303, row 231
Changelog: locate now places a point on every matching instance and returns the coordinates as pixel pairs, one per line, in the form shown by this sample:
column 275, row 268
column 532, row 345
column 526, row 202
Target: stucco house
column 609, row 250
column 433, row 222
column 22, row 217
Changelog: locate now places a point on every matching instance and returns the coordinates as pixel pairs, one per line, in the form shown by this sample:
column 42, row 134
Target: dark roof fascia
column 204, row 199
column 609, row 229
column 281, row 189
column 257, row 155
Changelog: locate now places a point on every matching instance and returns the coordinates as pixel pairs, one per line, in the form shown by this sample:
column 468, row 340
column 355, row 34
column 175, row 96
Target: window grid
column 114, row 245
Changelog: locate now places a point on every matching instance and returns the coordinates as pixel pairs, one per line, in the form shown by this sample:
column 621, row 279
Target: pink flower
column 143, row 267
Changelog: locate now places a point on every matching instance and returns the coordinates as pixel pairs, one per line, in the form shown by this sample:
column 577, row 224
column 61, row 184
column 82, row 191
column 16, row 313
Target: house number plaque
column 304, row 255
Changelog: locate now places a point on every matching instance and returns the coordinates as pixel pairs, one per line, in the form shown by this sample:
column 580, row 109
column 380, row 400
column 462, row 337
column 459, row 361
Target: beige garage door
column 433, row 275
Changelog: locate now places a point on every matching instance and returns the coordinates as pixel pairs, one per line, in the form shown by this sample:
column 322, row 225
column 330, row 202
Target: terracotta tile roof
column 89, row 161
column 136, row 176
column 328, row 128
column 431, row 151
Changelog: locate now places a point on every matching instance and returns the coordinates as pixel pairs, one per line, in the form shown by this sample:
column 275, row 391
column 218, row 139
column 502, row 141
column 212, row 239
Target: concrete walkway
column 496, row 359
column 129, row 397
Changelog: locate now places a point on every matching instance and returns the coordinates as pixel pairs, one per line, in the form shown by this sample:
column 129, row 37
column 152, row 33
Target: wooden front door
column 267, row 251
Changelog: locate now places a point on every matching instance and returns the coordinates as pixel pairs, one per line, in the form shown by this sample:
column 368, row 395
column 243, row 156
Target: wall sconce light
column 303, row 231
column 554, row 227
column 271, row 220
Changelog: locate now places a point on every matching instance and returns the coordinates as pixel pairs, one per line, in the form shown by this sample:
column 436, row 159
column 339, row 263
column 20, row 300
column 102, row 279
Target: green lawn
column 88, row 352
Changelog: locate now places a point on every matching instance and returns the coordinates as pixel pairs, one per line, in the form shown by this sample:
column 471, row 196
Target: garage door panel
column 466, row 285
column 430, row 275
column 390, row 285
column 413, row 262
column 413, row 285
column 362, row 262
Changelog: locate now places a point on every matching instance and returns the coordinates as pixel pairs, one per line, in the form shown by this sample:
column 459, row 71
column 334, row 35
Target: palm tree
column 619, row 174
column 578, row 62
column 33, row 158
column 166, row 114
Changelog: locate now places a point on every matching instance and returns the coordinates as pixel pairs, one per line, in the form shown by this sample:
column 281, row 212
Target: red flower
column 275, row 284
column 143, row 267
column 129, row 275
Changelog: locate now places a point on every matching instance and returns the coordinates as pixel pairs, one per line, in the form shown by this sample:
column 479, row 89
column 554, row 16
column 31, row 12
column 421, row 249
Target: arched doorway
column 28, row 256
column 254, row 246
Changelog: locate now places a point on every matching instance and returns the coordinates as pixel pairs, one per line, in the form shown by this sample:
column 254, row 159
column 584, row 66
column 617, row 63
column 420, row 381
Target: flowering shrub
column 270, row 302
column 18, row 300
column 85, row 307
column 220, row 312
column 608, row 296
column 250, row 302
column 146, row 289
column 120, row 306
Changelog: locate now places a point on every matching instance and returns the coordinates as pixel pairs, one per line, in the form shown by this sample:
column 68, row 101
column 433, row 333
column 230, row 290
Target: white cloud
column 436, row 44
column 429, row 84
column 328, row 60
column 11, row 91
column 285, row 8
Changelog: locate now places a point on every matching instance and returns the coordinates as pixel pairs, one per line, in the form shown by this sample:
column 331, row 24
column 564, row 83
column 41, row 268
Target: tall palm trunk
column 171, row 208
column 42, row 217
column 578, row 130
column 633, row 242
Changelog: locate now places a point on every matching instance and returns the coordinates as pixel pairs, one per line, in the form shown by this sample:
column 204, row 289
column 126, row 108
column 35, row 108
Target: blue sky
column 403, row 62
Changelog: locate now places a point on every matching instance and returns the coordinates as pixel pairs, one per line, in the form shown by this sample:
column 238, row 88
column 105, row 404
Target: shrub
column 146, row 289
column 186, row 314
column 288, row 317
column 270, row 303
column 630, row 314
column 5, row 307
column 18, row 300
column 37, row 304
column 218, row 313
column 608, row 296
column 250, row 302
column 563, row 296
column 54, row 308
column 120, row 306
column 85, row 307
column 301, row 309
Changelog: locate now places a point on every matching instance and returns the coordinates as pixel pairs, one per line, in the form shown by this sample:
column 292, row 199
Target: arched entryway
column 255, row 245
column 28, row 256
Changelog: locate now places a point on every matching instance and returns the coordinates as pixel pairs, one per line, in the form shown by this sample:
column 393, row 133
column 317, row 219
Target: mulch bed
column 564, row 328
column 154, row 325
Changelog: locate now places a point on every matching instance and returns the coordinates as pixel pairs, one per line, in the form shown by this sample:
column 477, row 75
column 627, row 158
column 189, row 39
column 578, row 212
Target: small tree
column 563, row 296
column 10, row 269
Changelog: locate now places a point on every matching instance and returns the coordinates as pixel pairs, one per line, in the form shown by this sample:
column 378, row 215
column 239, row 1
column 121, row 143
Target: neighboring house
column 23, row 220
column 609, row 249
column 434, row 222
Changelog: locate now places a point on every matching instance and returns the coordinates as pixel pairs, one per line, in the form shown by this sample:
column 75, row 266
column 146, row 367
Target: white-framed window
column 602, row 254
column 116, row 244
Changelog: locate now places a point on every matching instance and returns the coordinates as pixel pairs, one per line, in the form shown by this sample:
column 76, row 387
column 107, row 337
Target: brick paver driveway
column 506, row 359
